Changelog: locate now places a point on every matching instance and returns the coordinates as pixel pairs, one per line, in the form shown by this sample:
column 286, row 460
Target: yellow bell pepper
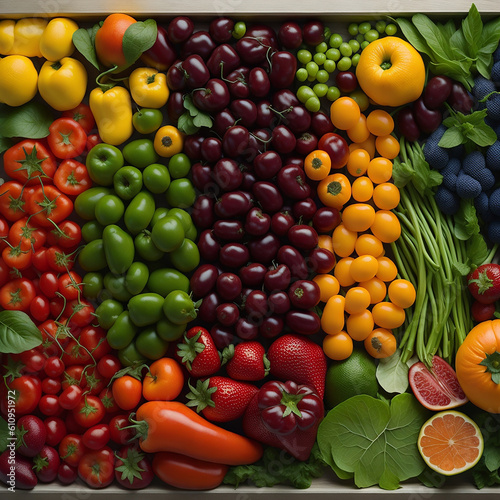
column 57, row 39
column 62, row 84
column 112, row 110
column 148, row 88
column 22, row 37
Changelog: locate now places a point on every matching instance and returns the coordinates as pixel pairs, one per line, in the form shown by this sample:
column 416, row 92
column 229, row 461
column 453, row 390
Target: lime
column 350, row 377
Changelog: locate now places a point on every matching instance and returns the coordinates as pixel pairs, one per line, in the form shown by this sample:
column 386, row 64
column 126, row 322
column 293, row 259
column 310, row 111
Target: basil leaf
column 435, row 39
column 472, row 27
column 490, row 36
column 477, row 249
column 447, row 29
column 413, row 35
column 138, row 38
column 189, row 105
column 482, row 135
column 4, row 434
column 5, row 144
column 484, row 63
column 451, row 138
column 84, row 43
column 31, row 121
column 17, row 332
column 185, row 124
column 202, row 120
column 458, row 41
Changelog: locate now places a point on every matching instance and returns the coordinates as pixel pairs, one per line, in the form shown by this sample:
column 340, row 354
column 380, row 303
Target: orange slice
column 450, row 442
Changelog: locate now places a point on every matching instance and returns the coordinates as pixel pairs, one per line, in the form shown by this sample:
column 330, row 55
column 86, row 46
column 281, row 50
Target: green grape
column 301, row 74
column 364, row 45
column 304, row 56
column 313, row 104
column 327, row 33
column 355, row 59
column 312, row 68
column 364, row 27
column 239, row 30
column 361, row 98
column 319, row 58
column 304, row 92
column 320, row 89
column 360, row 38
column 344, row 64
column 322, row 76
column 333, row 93
column 333, row 54
column 329, row 66
column 353, row 29
column 391, row 29
column 380, row 26
column 345, row 49
column 322, row 47
column 311, row 78
column 335, row 41
column 372, row 35
column 355, row 45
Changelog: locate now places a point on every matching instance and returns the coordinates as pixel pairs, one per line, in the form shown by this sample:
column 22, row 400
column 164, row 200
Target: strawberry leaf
column 130, row 467
column 201, row 395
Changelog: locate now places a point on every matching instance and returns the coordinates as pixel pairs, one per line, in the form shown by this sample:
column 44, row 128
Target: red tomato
column 89, row 411
column 56, row 430
column 17, row 295
column 58, row 260
column 51, row 385
column 4, row 232
column 33, row 360
column 92, row 140
column 40, row 308
column 39, row 260
column 49, row 405
column 49, row 284
column 4, row 272
column 73, row 375
column 72, row 449
column 54, row 367
column 96, row 437
column 93, row 338
column 67, row 235
column 17, row 257
column 27, row 160
column 30, row 236
column 127, row 392
column 80, row 312
column 70, row 397
column 12, row 200
column 28, row 391
column 48, row 206
column 117, row 428
column 83, row 115
column 94, row 383
column 72, row 177
column 75, row 354
column 106, row 396
column 97, row 467
column 66, row 138
column 108, row 365
column 69, row 285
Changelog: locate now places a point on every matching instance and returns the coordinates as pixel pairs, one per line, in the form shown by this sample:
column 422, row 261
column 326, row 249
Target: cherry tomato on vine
column 17, row 295
column 67, row 138
column 89, row 411
column 72, row 449
column 81, row 114
column 72, row 177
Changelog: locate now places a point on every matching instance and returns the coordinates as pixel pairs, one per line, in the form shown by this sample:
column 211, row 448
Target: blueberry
column 485, row 178
column 447, row 201
column 493, row 231
column 493, row 156
column 495, row 73
column 482, row 205
column 468, row 187
column 435, row 155
column 496, row 54
column 482, row 87
column 493, row 107
column 454, row 166
column 473, row 162
column 456, row 151
column 449, row 181
column 494, row 202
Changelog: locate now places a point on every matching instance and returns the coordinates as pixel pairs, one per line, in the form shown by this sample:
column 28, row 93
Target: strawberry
column 198, row 353
column 246, row 361
column 286, row 416
column 484, row 283
column 221, row 399
column 296, row 358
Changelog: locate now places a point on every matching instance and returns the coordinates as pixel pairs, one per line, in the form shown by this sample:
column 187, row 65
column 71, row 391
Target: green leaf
column 433, row 36
column 402, row 173
column 17, row 332
column 185, row 124
column 84, row 39
column 458, row 41
column 448, row 29
column 202, row 120
column 189, row 105
column 392, row 374
column 484, row 64
column 413, row 35
column 375, row 440
column 5, row 144
column 451, row 138
column 477, row 249
column 472, row 27
column 4, row 434
column 138, row 38
column 491, row 456
column 482, row 135
column 490, row 36
column 31, row 121
column 466, row 223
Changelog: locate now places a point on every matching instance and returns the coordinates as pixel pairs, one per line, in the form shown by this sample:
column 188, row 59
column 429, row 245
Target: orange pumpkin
column 478, row 365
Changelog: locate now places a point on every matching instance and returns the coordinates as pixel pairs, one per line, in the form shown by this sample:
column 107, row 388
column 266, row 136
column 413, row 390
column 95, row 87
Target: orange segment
column 450, row 442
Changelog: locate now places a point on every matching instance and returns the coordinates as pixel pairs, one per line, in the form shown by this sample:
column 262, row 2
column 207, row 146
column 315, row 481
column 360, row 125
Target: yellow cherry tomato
column 338, row 346
column 385, row 196
column 358, row 217
column 328, row 286
column 358, row 161
column 376, row 288
column 388, row 315
column 342, row 272
column 386, row 226
column 344, row 113
column 380, row 343
column 57, row 39
column 148, row 88
column 362, row 189
column 368, row 145
column 357, row 299
column 317, row 165
column 360, row 325
column 379, row 170
column 387, row 270
column 380, row 122
column 364, row 268
column 325, row 241
column 367, row 244
column 402, row 293
column 332, row 319
column 168, row 141
column 343, row 241
column 334, row 190
column 359, row 132
column 18, row 81
column 387, row 146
